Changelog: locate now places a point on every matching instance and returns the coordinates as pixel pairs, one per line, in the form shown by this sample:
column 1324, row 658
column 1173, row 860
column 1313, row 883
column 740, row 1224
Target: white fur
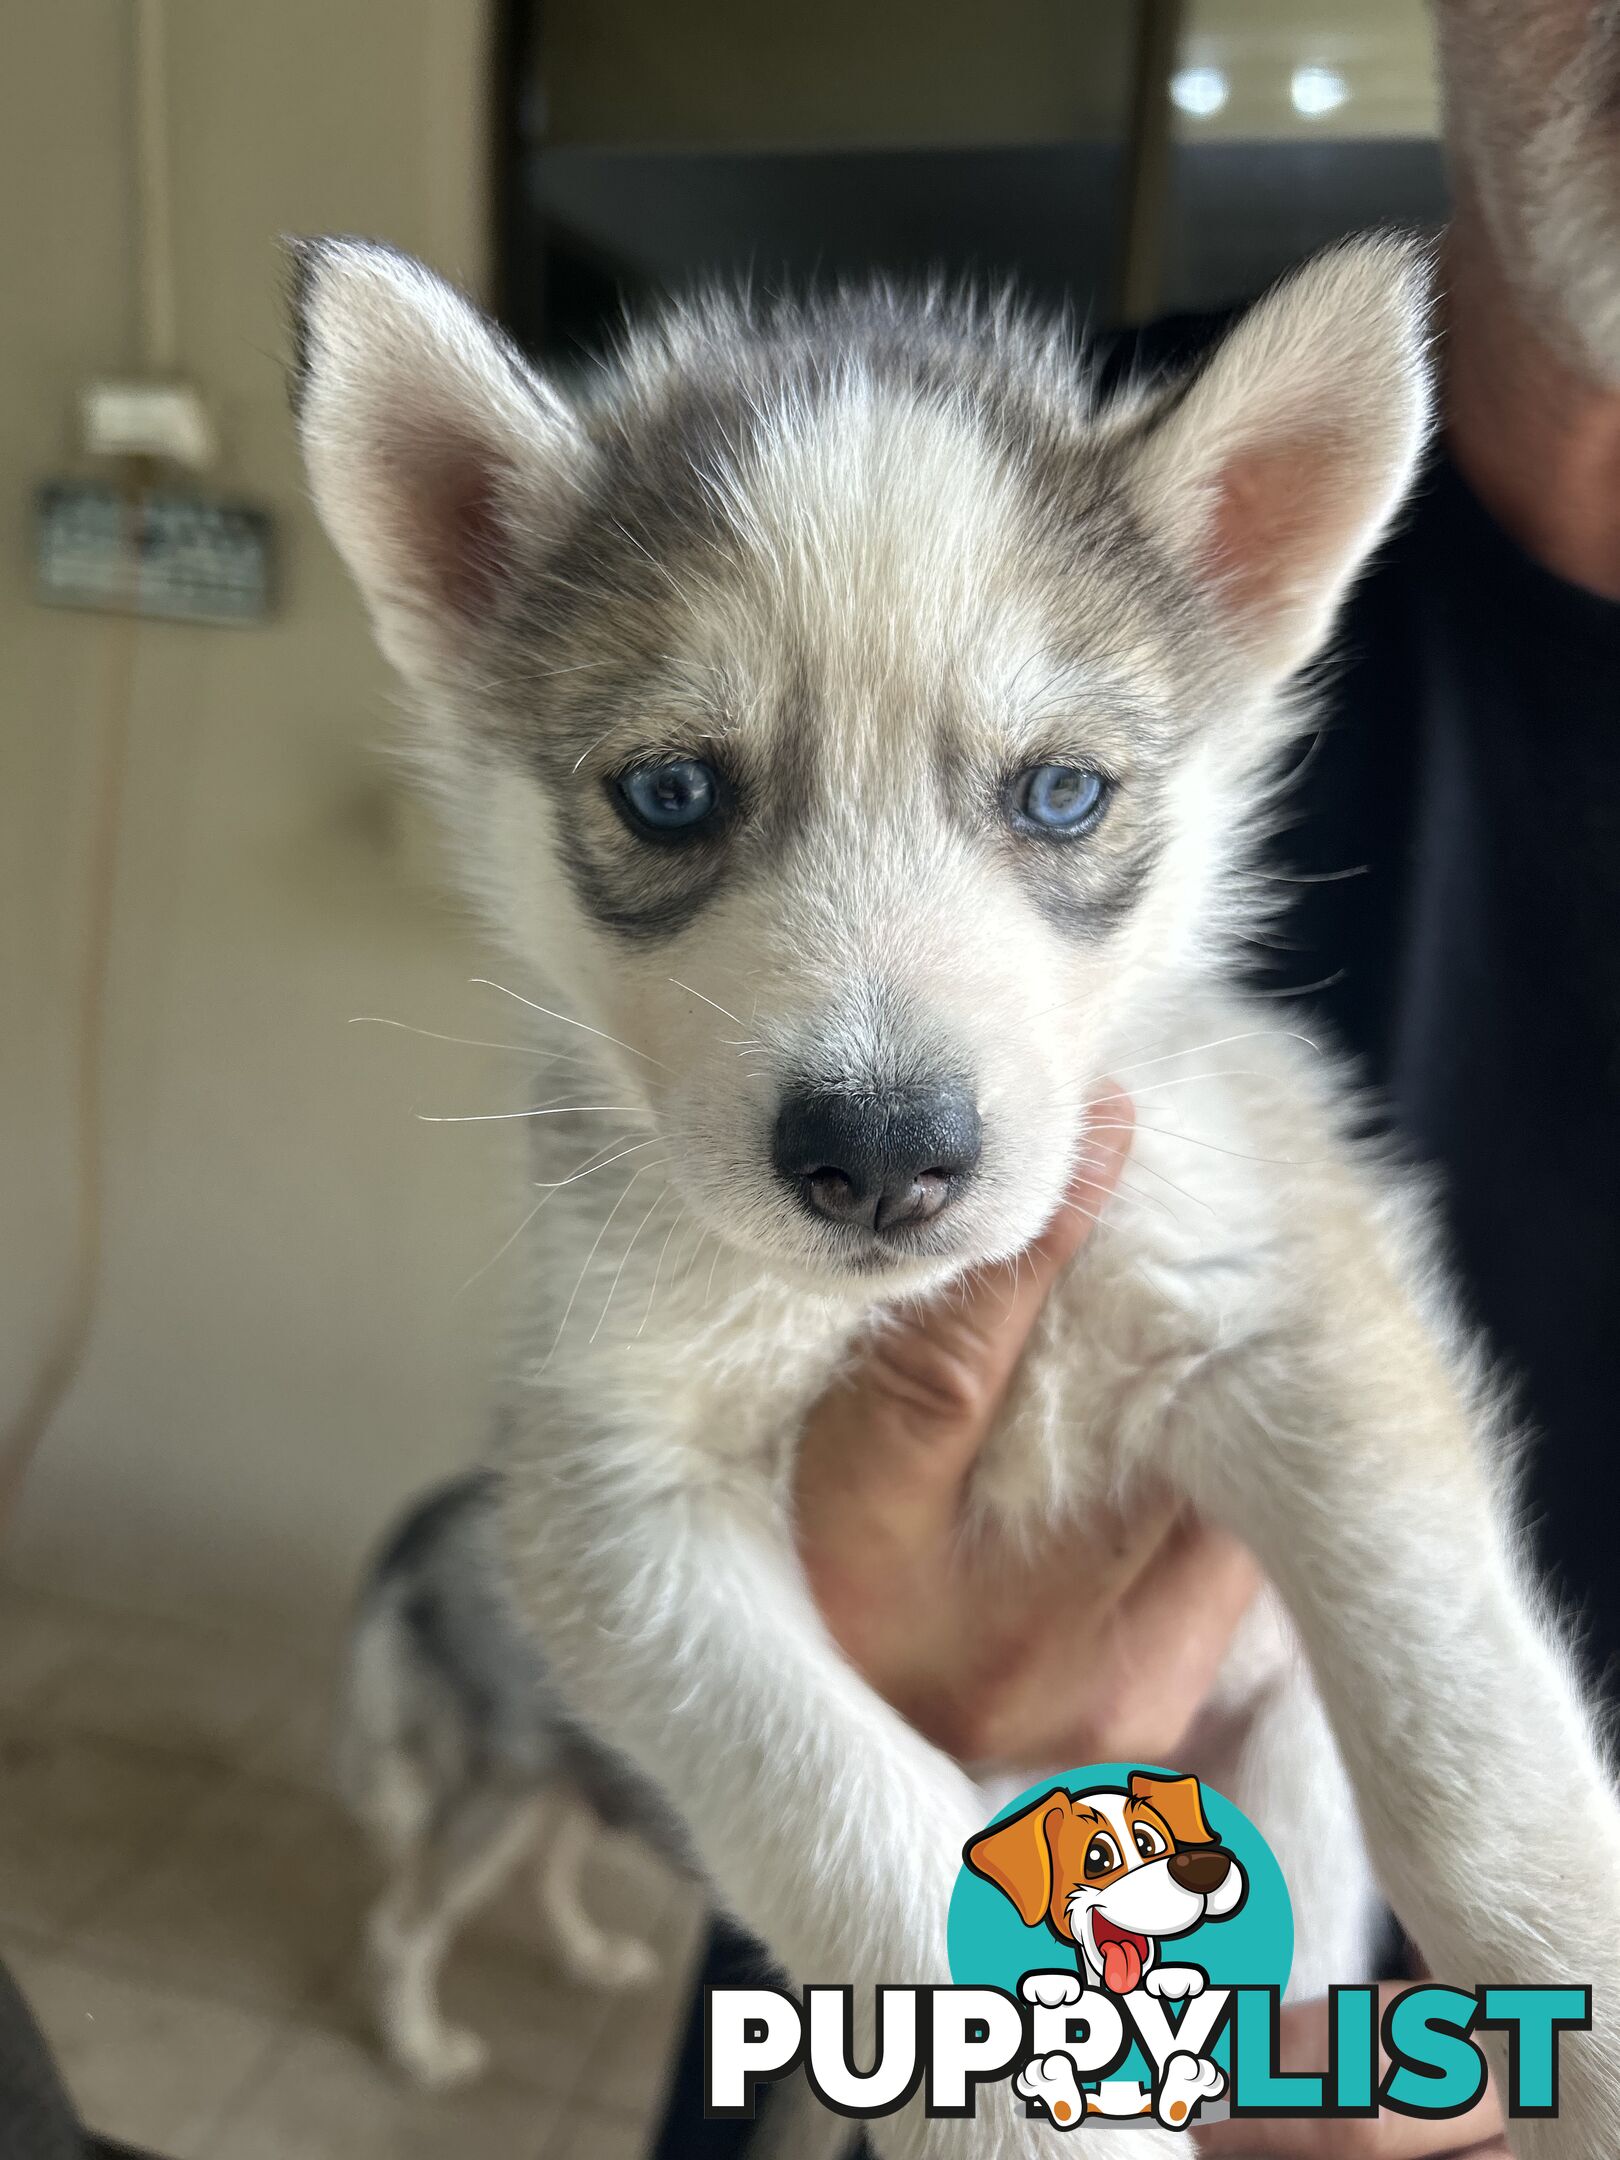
column 1260, row 1321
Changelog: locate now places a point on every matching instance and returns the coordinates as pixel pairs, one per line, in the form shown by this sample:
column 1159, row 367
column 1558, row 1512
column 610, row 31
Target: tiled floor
column 180, row 1900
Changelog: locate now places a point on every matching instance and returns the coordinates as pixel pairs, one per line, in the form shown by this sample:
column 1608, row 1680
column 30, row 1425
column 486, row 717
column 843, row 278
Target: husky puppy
column 863, row 738
column 452, row 1745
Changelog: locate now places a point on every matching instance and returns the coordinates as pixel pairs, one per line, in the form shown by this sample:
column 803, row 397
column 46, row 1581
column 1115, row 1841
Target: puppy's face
column 1113, row 1872
column 851, row 724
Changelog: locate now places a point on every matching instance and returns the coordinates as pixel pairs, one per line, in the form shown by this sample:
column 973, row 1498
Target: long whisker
column 1326, row 982
column 1073, row 1207
column 591, row 1161
column 663, row 1253
column 596, row 745
column 1168, row 1132
column 501, row 1117
column 502, row 1249
column 693, row 1256
column 1157, row 1087
column 483, row 982
column 1312, row 877
column 1129, row 1199
column 618, row 1274
column 720, row 1009
column 595, row 1247
column 1148, row 1170
column 640, row 549
column 467, row 1042
column 557, row 1184
column 1221, row 1043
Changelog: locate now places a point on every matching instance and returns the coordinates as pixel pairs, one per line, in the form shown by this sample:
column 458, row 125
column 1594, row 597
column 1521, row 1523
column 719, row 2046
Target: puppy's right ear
column 1271, row 474
column 1016, row 1855
column 438, row 459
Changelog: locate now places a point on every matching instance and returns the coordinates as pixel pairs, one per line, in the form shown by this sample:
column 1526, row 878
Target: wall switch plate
column 148, row 419
column 186, row 557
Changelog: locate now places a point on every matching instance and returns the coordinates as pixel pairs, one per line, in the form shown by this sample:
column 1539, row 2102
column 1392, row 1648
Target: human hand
column 1091, row 1649
column 1303, row 2045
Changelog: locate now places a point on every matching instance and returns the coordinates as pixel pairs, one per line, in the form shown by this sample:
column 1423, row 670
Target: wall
column 279, row 1351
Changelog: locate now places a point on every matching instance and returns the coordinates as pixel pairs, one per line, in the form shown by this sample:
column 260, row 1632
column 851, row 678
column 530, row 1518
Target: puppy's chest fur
column 703, row 1368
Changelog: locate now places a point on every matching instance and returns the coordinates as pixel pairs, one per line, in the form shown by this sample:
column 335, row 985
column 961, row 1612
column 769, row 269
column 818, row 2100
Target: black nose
column 878, row 1161
column 1202, row 1872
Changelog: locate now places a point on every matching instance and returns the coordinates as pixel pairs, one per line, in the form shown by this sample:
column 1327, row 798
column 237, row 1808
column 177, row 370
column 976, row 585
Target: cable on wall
column 154, row 196
column 65, row 1360
column 154, row 258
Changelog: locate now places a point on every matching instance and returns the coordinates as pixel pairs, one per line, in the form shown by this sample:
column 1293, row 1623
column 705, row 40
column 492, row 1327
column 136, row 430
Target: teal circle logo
column 1139, row 1881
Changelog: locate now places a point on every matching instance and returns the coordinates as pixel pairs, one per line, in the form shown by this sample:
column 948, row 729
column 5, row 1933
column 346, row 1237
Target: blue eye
column 674, row 797
column 1059, row 798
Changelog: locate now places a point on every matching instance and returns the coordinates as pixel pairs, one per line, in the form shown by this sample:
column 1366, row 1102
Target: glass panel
column 1294, row 122
column 661, row 145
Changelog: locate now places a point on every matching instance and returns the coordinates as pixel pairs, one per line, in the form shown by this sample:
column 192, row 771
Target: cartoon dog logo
column 1113, row 1874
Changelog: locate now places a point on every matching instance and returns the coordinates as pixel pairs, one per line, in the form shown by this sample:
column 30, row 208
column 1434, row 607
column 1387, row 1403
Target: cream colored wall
column 278, row 1352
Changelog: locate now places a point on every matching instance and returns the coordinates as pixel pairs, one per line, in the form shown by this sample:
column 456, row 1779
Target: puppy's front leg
column 1348, row 1456
column 681, row 1632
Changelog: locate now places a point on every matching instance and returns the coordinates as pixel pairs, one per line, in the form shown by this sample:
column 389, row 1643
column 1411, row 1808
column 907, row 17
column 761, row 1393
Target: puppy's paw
column 1051, row 1989
column 1188, row 2079
column 1175, row 1983
column 441, row 2058
column 1050, row 2081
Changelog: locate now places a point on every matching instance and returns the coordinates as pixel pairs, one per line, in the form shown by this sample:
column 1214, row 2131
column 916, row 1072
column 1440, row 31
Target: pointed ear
column 1272, row 473
column 1179, row 1800
column 1016, row 1856
column 436, row 455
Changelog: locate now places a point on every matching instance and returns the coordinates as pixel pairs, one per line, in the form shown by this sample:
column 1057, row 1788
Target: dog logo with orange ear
column 1113, row 1873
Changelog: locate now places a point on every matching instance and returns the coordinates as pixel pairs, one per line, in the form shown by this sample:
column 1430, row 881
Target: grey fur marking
column 682, row 425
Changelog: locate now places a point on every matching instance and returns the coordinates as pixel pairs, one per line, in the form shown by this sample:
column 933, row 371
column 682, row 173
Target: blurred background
column 249, row 1302
column 279, row 1346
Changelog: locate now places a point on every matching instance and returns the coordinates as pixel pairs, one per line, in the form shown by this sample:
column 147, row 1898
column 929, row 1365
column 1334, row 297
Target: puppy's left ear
column 1016, row 1855
column 1271, row 474
column 1180, row 1801
column 440, row 461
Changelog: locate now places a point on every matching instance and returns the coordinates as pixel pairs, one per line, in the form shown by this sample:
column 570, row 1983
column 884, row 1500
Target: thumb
column 912, row 1416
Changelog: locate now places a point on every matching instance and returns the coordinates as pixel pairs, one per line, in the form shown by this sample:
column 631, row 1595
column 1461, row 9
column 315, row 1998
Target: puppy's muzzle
column 1200, row 1872
column 878, row 1162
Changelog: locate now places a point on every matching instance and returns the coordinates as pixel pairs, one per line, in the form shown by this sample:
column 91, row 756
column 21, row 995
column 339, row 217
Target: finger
column 1176, row 1603
column 915, row 1412
column 1179, row 1615
column 1303, row 2045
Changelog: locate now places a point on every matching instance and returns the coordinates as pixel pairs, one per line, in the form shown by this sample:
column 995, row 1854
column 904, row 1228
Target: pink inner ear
column 1279, row 520
column 458, row 541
